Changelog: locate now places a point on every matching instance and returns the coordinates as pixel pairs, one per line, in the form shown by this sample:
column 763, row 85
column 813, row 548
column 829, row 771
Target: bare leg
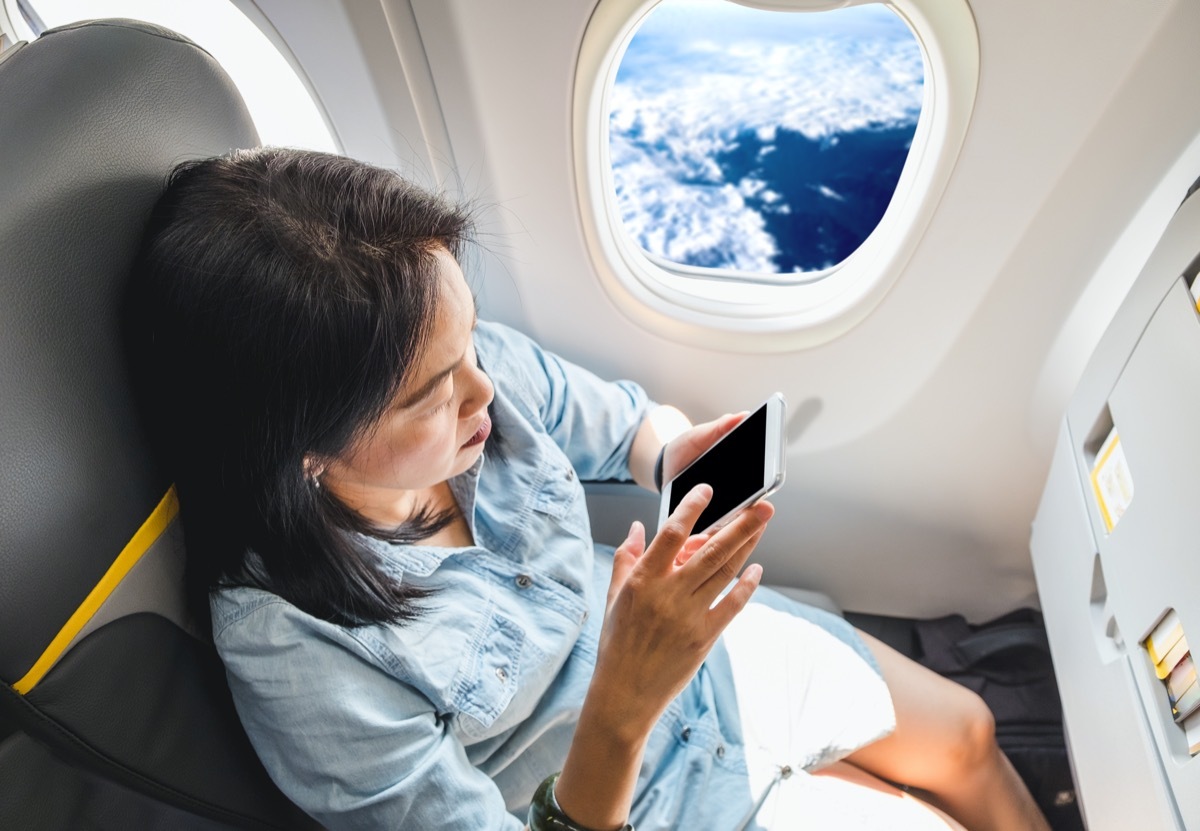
column 845, row 796
column 945, row 744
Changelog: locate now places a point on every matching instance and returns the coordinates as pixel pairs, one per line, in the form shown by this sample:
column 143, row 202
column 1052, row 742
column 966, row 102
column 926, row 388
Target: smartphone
column 742, row 468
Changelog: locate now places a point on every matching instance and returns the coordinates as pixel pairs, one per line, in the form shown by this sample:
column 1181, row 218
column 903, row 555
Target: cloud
column 688, row 220
column 679, row 104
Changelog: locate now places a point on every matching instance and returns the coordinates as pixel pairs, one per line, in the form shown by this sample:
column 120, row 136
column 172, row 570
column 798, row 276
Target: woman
column 381, row 501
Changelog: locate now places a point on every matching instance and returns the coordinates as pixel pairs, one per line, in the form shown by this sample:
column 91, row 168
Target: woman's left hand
column 688, row 446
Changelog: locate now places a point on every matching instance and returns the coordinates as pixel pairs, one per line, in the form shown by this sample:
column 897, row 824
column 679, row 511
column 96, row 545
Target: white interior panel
column 925, row 432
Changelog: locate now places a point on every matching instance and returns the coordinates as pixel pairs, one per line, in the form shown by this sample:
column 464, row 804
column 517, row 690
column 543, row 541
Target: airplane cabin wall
column 929, row 426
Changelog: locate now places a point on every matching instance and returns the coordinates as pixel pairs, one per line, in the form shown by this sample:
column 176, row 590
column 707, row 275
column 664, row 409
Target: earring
column 313, row 472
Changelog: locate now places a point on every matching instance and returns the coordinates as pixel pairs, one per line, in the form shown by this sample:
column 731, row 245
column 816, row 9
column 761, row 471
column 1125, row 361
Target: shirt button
column 524, row 581
column 570, row 474
column 720, row 751
column 502, row 675
column 686, row 733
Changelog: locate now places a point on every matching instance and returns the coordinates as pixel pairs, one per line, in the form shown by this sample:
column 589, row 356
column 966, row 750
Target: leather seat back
column 112, row 714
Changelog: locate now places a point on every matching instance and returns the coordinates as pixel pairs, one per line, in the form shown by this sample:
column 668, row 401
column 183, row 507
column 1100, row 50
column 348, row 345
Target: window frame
column 726, row 310
column 15, row 19
column 259, row 21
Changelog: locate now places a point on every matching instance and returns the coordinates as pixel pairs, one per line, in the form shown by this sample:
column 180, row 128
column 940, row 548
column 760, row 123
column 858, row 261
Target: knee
column 973, row 732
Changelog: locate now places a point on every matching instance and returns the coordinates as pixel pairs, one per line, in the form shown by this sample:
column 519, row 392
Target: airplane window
column 761, row 142
column 279, row 102
column 756, row 174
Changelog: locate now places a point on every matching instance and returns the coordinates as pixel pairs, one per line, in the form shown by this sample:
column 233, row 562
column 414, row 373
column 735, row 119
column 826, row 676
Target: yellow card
column 1165, row 634
column 1171, row 659
column 1111, row 481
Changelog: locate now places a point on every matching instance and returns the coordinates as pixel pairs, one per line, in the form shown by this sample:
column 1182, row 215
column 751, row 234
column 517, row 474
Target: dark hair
column 278, row 302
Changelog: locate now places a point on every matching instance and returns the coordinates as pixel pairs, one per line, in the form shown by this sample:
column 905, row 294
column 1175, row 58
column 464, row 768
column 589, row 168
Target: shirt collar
column 422, row 560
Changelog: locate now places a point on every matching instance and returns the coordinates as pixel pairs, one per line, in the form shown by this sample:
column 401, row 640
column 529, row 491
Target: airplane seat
column 810, row 597
column 112, row 714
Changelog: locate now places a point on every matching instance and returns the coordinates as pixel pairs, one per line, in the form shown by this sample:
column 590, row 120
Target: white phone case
column 773, row 456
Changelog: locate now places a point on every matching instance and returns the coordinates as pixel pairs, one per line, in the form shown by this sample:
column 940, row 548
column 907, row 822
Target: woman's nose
column 483, row 390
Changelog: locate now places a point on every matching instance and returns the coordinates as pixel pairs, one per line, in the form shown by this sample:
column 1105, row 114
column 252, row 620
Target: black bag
column 1007, row 662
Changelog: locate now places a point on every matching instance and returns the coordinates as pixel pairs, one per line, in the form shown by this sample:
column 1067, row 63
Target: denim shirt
column 452, row 720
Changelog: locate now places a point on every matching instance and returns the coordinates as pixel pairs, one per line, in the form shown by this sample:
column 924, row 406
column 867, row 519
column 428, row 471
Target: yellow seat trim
column 138, row 545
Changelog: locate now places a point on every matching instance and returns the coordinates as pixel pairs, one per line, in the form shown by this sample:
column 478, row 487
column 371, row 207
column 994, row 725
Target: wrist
column 615, row 719
column 600, row 772
column 545, row 814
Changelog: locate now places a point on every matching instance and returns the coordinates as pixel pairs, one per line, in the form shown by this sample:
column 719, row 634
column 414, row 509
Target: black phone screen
column 733, row 468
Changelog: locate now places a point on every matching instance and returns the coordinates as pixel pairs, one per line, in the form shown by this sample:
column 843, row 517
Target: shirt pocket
column 559, row 500
column 489, row 677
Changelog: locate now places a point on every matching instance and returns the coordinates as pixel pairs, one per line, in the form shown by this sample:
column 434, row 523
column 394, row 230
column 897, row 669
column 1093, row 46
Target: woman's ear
column 313, row 469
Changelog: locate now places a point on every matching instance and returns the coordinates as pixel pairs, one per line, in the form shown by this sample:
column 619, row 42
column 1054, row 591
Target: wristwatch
column 546, row 815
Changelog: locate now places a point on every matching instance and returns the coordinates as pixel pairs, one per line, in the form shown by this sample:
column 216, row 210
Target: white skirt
column 807, row 697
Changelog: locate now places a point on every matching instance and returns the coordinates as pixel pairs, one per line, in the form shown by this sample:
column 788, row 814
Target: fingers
column 635, row 541
column 725, row 611
column 722, row 556
column 660, row 556
column 625, row 558
column 690, row 547
column 687, row 447
column 727, row 422
column 710, row 589
column 723, row 426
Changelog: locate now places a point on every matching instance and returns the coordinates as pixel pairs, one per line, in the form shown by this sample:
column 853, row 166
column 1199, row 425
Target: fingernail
column 753, row 572
column 703, row 490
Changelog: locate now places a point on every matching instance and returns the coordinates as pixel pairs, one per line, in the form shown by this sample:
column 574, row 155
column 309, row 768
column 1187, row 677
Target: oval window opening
column 760, row 145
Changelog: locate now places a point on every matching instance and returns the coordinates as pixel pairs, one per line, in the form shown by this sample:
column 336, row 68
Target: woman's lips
column 485, row 430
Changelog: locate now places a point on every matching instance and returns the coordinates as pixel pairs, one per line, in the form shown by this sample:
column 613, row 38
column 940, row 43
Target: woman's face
column 435, row 428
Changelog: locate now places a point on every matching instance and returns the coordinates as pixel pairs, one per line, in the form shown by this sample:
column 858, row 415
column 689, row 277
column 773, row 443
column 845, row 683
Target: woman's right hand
column 660, row 623
column 661, row 620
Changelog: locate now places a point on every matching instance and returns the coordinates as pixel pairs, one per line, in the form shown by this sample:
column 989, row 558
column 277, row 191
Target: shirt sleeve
column 592, row 420
column 349, row 744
